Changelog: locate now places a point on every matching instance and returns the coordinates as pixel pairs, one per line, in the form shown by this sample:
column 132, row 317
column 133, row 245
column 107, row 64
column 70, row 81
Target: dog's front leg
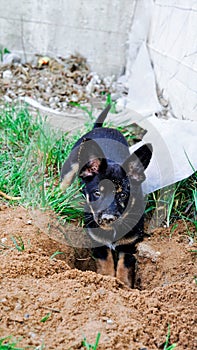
column 126, row 269
column 104, row 261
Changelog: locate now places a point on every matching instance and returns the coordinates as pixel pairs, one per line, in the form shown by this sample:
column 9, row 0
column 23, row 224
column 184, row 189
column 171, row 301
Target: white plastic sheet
column 142, row 95
column 174, row 148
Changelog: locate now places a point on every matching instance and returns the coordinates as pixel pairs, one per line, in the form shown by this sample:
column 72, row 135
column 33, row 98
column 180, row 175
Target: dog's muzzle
column 106, row 220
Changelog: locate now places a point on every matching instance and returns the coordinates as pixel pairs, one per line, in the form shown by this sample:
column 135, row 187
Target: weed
column 175, row 202
column 174, row 227
column 18, row 243
column 3, row 51
column 91, row 346
column 55, row 254
column 166, row 346
column 111, row 102
column 84, row 109
column 7, row 344
column 46, row 317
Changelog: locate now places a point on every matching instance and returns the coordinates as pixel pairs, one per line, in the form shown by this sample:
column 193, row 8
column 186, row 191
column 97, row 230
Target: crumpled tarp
column 174, row 148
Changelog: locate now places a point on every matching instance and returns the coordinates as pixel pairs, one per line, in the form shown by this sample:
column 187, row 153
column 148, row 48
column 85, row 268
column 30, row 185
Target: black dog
column 112, row 180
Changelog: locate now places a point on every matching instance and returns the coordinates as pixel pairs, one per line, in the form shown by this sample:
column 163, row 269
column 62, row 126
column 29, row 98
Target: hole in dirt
column 163, row 258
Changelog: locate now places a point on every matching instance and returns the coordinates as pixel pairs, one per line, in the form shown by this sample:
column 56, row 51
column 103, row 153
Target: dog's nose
column 106, row 219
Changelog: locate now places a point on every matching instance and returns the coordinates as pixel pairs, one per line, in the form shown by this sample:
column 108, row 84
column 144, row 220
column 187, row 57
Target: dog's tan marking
column 98, row 238
column 123, row 273
column 124, row 215
column 119, row 189
column 67, row 179
column 91, row 168
column 125, row 241
column 106, row 227
column 92, row 211
column 106, row 267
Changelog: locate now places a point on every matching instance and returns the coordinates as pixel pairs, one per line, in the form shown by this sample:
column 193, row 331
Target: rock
column 146, row 251
column 7, row 74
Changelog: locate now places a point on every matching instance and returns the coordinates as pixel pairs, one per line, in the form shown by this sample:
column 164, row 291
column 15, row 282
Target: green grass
column 175, row 202
column 91, row 346
column 46, row 317
column 18, row 243
column 7, row 344
column 166, row 346
column 31, row 157
column 3, row 51
column 10, row 343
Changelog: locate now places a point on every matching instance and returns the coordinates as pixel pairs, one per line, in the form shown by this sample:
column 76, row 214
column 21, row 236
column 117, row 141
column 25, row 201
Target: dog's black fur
column 114, row 210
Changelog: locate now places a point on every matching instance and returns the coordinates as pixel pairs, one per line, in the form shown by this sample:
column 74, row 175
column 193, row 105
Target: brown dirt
column 83, row 303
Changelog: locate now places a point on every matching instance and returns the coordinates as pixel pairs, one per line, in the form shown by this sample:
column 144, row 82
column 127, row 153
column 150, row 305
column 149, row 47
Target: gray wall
column 97, row 29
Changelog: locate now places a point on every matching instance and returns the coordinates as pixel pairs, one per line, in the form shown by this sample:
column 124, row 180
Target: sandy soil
column 82, row 303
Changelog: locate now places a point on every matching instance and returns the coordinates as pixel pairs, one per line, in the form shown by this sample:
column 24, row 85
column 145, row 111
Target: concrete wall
column 97, row 29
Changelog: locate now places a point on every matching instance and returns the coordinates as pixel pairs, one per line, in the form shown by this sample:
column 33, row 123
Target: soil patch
column 82, row 303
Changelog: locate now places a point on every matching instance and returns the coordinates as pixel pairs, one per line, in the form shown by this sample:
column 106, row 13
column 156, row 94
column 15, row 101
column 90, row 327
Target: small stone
column 19, row 83
column 7, row 99
column 48, row 90
column 64, row 105
column 51, row 99
column 109, row 321
column 29, row 222
column 146, row 251
column 102, row 291
column 7, row 74
column 191, row 241
column 56, row 99
column 3, row 300
column 53, row 105
column 32, row 334
column 18, row 306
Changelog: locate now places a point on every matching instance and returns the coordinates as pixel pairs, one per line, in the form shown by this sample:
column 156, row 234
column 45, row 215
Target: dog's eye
column 123, row 195
column 97, row 193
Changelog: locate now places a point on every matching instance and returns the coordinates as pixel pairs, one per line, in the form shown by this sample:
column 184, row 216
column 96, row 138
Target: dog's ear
column 85, row 160
column 137, row 162
column 91, row 159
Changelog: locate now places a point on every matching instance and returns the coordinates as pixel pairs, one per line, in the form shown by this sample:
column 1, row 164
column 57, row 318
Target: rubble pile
column 52, row 82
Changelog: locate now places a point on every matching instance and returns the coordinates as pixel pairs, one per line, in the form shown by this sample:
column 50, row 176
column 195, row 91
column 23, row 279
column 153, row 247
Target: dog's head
column 110, row 187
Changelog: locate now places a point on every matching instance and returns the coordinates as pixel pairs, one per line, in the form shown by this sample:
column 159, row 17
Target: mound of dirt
column 79, row 304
